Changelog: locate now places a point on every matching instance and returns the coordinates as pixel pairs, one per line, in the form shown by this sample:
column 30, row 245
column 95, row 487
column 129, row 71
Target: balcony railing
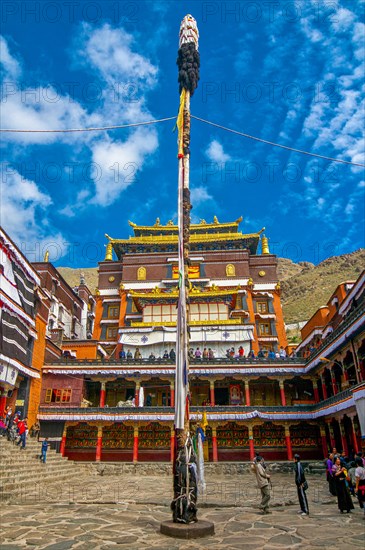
column 66, row 409
column 218, row 361
column 350, row 319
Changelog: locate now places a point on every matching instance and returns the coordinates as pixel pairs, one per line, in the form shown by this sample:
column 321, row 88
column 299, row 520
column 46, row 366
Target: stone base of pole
column 187, row 530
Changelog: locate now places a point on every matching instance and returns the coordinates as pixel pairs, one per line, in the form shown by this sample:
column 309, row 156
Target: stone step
column 30, row 483
column 23, row 457
column 36, row 470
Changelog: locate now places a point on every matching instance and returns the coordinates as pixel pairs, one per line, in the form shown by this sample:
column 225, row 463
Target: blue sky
column 287, row 72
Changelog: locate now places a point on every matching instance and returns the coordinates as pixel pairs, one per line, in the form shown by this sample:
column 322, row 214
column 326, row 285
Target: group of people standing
column 344, row 481
column 14, row 427
column 263, row 479
column 346, row 478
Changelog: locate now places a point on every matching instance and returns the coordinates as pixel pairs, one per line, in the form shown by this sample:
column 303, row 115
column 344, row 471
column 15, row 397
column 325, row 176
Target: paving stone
column 63, row 545
column 285, row 540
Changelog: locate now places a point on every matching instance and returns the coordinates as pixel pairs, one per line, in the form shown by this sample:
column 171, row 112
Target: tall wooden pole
column 185, row 482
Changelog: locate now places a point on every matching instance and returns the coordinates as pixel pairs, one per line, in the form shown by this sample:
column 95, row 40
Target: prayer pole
column 184, row 522
column 185, row 483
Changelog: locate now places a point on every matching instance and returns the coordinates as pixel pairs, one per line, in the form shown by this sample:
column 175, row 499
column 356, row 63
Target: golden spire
column 46, row 256
column 109, row 252
column 265, row 245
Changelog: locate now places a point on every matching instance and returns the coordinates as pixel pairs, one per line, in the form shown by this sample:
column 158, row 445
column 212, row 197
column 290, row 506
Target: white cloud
column 119, row 163
column 215, row 152
column 110, row 51
column 200, row 195
column 129, row 75
column 10, row 65
column 24, row 216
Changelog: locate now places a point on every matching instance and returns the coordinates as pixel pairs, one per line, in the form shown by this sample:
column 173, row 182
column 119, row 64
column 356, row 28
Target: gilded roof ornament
column 239, row 219
column 46, row 256
column 157, row 222
column 203, row 222
column 132, row 224
column 215, row 220
column 170, row 222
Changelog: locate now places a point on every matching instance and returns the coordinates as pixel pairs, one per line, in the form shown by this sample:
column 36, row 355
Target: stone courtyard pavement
column 102, row 512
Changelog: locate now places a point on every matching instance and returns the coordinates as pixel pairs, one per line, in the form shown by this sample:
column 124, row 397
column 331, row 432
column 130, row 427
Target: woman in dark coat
column 344, row 499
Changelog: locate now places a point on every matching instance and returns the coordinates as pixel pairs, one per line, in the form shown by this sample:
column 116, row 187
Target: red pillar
column 344, row 441
column 135, row 445
column 212, row 396
column 99, row 444
column 324, row 441
column 282, row 393
column 334, row 385
column 251, row 442
column 353, row 436
column 332, row 439
column 172, row 396
column 63, row 442
column 288, row 443
column 136, row 396
column 215, row 445
column 102, row 395
column 2, row 405
column 247, row 393
column 324, row 389
column 252, row 449
column 316, row 393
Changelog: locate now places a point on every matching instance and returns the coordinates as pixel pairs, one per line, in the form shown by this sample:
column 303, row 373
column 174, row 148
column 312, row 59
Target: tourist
column 8, row 414
column 129, row 354
column 252, row 355
column 35, row 429
column 122, row 354
column 44, row 450
column 261, row 354
column 302, row 486
column 137, row 354
column 241, row 352
column 282, row 353
column 198, row 354
column 22, row 431
column 271, row 354
column 165, row 355
column 329, row 474
column 262, row 479
column 191, row 353
column 210, row 354
column 351, row 477
column 231, row 353
column 205, row 353
column 360, row 483
column 344, row 500
column 228, row 353
column 151, row 356
column 172, row 354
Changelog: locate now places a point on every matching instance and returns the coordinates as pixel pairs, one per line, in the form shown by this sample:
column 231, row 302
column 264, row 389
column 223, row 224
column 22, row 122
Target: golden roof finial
column 46, row 256
column 132, row 224
column 109, row 252
column 265, row 245
column 215, row 220
column 239, row 219
column 157, row 222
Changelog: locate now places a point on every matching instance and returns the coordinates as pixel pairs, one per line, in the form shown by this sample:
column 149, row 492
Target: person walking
column 22, row 431
column 360, row 483
column 302, row 486
column 44, row 450
column 263, row 480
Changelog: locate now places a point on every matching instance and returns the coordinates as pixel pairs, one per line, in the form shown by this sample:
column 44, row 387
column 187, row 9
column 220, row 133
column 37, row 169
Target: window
column 208, row 312
column 113, row 312
column 264, row 329
column 58, row 395
column 112, row 333
column 262, row 307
